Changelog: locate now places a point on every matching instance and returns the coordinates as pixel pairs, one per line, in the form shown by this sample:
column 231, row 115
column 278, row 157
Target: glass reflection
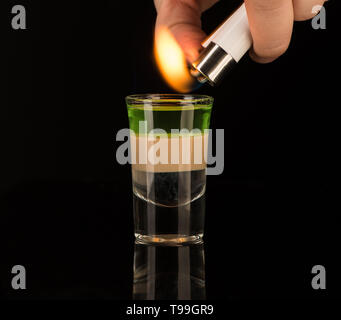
column 165, row 272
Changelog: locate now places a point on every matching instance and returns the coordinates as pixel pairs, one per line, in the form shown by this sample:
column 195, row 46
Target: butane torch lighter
column 223, row 48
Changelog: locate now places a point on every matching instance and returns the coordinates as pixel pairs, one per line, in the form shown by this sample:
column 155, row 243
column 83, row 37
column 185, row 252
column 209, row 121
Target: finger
column 182, row 18
column 204, row 4
column 271, row 24
column 304, row 9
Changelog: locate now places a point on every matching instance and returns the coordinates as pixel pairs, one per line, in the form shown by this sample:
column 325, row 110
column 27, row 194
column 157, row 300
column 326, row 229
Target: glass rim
column 176, row 100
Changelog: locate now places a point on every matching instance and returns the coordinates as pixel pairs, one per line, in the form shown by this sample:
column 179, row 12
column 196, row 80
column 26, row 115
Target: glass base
column 169, row 239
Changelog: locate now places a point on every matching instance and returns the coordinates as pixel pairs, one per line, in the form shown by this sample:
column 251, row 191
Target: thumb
column 182, row 18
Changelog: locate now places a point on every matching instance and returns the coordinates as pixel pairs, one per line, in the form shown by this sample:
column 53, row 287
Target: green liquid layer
column 167, row 118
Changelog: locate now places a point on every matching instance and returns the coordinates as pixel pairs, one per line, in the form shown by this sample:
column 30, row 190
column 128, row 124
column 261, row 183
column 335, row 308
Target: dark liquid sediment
column 169, row 206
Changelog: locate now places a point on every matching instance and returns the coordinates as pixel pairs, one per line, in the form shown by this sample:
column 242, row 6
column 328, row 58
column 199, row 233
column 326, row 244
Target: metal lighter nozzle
column 212, row 64
column 223, row 48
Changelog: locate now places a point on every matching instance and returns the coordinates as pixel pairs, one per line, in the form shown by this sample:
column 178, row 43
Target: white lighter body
column 223, row 48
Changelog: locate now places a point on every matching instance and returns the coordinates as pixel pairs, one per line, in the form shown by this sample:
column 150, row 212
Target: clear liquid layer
column 169, row 225
column 169, row 189
column 169, row 207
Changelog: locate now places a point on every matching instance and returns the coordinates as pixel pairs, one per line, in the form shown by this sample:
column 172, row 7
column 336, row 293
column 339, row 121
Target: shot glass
column 168, row 146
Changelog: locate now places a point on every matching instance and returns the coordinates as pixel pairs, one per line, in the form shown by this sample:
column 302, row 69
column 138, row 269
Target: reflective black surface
column 76, row 241
column 169, row 272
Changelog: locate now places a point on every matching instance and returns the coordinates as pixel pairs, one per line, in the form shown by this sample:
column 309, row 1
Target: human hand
column 270, row 21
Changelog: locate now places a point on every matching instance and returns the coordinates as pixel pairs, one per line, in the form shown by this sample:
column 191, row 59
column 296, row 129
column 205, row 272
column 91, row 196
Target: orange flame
column 171, row 61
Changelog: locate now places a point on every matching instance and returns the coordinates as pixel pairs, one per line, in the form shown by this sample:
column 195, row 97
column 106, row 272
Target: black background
column 66, row 204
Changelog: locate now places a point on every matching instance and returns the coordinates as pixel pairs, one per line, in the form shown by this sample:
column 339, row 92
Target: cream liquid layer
column 169, row 153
